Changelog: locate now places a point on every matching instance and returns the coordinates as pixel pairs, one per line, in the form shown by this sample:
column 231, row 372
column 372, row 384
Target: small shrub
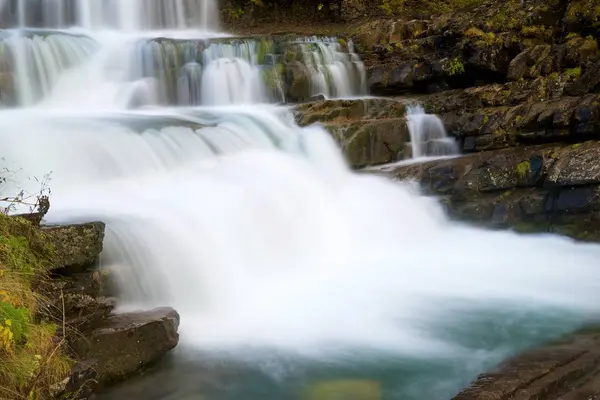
column 456, row 67
column 573, row 73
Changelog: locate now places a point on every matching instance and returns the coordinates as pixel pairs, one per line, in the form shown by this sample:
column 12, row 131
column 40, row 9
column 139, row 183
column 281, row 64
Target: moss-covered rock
column 76, row 246
column 371, row 142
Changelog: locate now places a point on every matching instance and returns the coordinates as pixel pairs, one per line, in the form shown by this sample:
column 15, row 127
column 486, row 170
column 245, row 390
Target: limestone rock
column 76, row 246
column 129, row 342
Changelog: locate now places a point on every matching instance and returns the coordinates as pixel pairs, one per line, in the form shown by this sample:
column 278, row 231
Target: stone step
column 128, row 342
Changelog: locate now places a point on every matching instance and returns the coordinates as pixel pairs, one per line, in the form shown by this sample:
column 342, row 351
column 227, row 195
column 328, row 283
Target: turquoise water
column 483, row 339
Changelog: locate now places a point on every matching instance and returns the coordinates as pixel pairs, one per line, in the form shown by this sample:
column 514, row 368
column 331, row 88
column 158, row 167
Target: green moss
column 576, row 145
column 31, row 360
column 535, row 31
column 481, row 36
column 523, row 170
column 456, row 67
column 573, row 73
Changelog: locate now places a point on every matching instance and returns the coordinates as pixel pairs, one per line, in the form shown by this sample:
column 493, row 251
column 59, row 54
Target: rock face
column 127, row 342
column 544, row 188
column 80, row 300
column 499, row 74
column 370, row 131
column 567, row 371
column 76, row 246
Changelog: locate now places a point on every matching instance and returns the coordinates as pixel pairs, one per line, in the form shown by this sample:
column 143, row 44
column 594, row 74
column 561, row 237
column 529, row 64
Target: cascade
column 428, row 136
column 131, row 15
column 278, row 257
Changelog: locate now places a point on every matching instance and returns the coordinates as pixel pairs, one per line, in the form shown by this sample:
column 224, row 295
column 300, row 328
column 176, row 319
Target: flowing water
column 293, row 275
column 428, row 136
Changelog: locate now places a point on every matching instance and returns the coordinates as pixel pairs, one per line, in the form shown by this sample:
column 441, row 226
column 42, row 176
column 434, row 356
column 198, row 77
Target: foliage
column 456, row 67
column 523, row 170
column 573, row 73
column 391, row 7
column 33, row 201
column 476, row 33
column 31, row 357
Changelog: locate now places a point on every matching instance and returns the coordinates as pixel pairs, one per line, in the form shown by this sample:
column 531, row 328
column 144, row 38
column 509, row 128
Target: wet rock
column 578, row 166
column 371, row 143
column 348, row 110
column 566, row 370
column 574, row 200
column 129, row 342
column 80, row 384
column 587, row 83
column 77, row 246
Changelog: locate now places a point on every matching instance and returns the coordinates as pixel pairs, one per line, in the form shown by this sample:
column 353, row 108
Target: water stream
column 293, row 275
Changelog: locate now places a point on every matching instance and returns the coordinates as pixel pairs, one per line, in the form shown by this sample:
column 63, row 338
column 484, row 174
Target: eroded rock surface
column 370, row 131
column 544, row 188
column 76, row 246
column 125, row 343
column 567, row 370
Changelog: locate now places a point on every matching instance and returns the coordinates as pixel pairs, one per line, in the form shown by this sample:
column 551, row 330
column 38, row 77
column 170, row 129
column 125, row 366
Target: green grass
column 31, row 357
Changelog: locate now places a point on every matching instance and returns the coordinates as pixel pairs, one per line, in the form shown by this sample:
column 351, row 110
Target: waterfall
column 277, row 256
column 36, row 63
column 428, row 136
column 130, row 15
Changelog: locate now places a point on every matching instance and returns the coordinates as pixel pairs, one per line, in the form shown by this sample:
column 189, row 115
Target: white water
column 129, row 15
column 257, row 232
column 428, row 136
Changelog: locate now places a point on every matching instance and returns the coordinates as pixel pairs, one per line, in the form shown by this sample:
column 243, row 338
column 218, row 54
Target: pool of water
column 341, row 373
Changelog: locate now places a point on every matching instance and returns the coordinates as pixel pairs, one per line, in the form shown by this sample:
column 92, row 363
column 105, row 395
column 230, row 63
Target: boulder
column 76, row 246
column 129, row 342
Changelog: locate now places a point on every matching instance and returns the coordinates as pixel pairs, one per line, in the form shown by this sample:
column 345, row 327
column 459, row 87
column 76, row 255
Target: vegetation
column 573, row 73
column 456, row 67
column 31, row 357
column 523, row 170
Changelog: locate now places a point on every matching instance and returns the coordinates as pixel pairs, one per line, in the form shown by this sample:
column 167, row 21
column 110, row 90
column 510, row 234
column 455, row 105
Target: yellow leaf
column 8, row 322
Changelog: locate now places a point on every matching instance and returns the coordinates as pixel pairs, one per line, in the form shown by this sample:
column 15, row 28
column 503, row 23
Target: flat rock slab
column 341, row 111
column 129, row 342
column 77, row 246
column 566, row 370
